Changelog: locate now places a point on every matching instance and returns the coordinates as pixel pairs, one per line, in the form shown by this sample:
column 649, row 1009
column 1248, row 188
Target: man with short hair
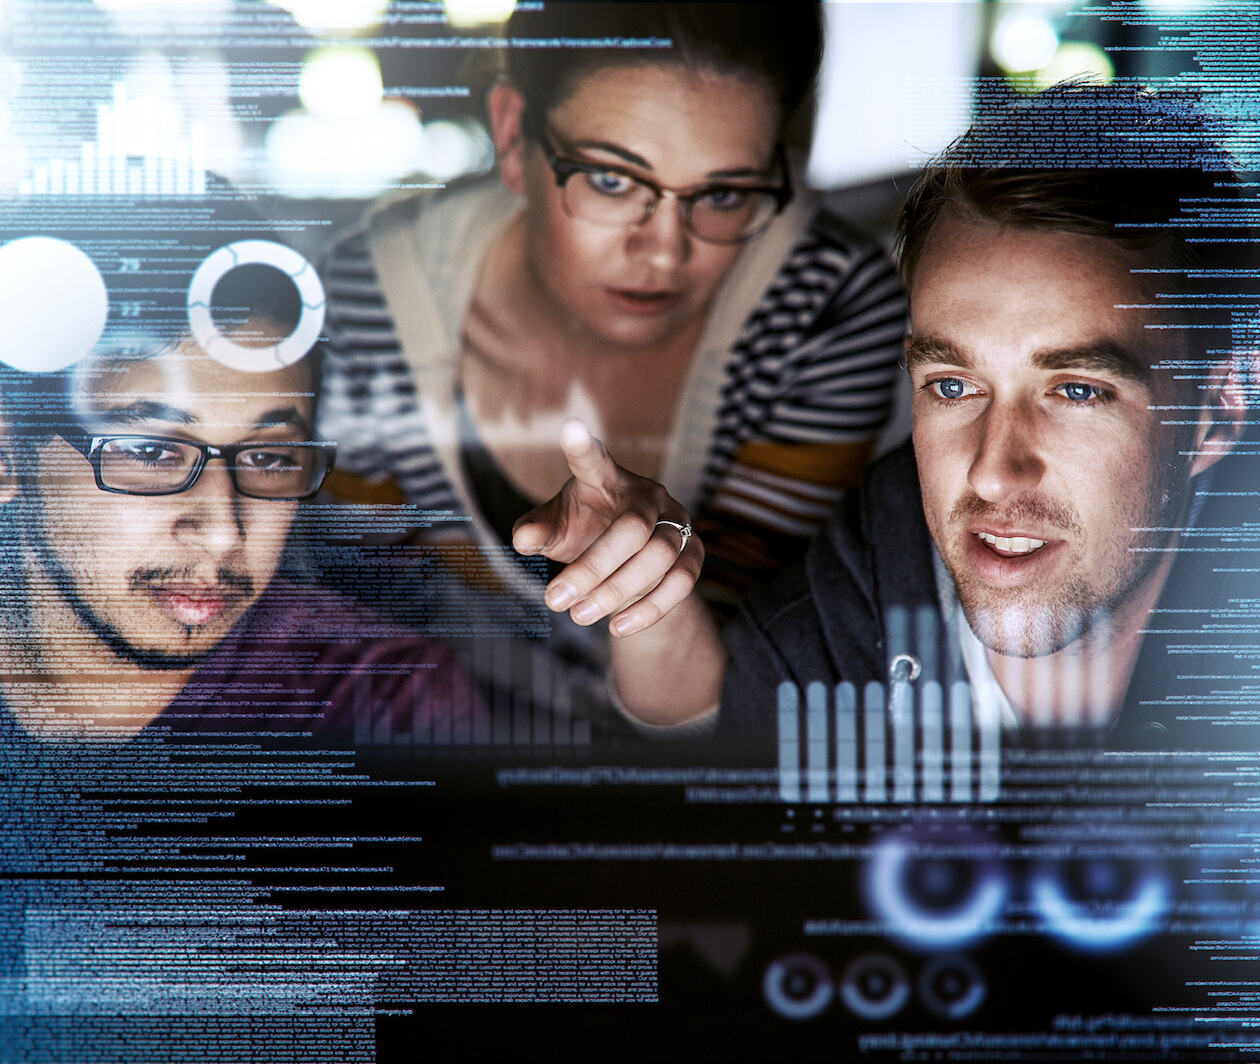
column 149, row 492
column 1074, row 394
column 1072, row 265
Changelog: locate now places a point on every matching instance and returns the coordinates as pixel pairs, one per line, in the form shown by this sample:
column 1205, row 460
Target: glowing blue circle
column 859, row 1002
column 913, row 923
column 256, row 253
column 952, row 1008
column 778, row 995
column 1078, row 924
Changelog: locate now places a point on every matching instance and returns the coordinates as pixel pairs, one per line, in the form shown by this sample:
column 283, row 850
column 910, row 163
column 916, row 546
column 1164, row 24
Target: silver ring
column 683, row 530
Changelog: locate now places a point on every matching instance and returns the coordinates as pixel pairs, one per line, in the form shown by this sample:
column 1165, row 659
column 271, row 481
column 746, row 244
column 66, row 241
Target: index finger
column 589, row 460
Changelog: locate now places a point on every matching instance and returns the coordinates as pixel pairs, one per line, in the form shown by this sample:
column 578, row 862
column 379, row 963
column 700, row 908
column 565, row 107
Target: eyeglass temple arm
column 785, row 191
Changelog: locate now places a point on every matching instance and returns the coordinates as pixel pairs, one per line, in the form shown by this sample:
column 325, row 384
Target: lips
column 194, row 606
column 644, row 301
column 1011, row 557
column 1013, row 546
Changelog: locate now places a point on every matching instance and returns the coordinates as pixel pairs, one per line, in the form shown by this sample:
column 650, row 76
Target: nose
column 1007, row 459
column 663, row 239
column 210, row 516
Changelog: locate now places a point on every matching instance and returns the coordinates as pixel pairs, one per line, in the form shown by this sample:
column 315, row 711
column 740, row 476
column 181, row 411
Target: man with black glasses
column 150, row 491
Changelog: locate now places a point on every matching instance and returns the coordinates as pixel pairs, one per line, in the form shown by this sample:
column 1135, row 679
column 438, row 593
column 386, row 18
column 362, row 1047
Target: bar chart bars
column 895, row 743
column 173, row 163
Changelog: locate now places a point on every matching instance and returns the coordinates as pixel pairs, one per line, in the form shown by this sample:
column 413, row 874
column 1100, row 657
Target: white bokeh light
column 54, row 303
column 1024, row 42
column 478, row 12
column 335, row 14
column 915, row 87
column 455, row 148
column 1076, row 59
column 315, row 155
column 341, row 82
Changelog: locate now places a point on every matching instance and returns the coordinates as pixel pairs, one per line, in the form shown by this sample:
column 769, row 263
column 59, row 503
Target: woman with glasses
column 644, row 262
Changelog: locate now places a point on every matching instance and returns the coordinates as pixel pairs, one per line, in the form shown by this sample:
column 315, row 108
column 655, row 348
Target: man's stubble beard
column 1030, row 625
column 30, row 514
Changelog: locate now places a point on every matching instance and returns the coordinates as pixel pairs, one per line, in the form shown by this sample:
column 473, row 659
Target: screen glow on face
column 162, row 578
column 1041, row 462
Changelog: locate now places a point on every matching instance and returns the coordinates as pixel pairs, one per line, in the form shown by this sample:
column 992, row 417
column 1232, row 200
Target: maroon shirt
column 306, row 659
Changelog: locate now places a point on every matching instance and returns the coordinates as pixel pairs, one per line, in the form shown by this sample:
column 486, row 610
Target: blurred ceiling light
column 477, row 12
column 335, row 14
column 1024, row 42
column 318, row 155
column 1075, row 59
column 341, row 82
column 455, row 148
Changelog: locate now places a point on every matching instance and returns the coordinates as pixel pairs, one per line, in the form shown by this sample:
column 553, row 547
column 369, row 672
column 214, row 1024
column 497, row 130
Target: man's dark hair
column 147, row 251
column 553, row 48
column 1141, row 169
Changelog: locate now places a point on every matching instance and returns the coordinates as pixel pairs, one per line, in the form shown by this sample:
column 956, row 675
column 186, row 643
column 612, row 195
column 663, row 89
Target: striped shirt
column 801, row 347
column 814, row 362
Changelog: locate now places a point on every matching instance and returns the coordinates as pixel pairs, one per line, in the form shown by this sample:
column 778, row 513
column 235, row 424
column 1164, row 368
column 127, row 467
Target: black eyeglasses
column 719, row 214
column 164, row 465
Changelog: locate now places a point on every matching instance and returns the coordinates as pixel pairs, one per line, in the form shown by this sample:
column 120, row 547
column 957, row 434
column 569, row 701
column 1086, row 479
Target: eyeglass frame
column 563, row 168
column 91, row 446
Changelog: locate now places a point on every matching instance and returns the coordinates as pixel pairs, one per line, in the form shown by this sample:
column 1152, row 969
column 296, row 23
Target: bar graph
column 173, row 164
column 899, row 743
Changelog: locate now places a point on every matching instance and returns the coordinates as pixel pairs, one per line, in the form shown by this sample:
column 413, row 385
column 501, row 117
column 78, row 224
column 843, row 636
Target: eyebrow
column 643, row 164
column 924, row 349
column 1102, row 357
column 147, row 410
column 282, row 416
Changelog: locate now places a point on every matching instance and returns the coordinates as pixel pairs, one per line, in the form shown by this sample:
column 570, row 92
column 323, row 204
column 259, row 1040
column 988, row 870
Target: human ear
column 1223, row 415
column 507, row 108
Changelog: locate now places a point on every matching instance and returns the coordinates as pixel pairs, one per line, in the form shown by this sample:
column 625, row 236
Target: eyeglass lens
column 615, row 199
column 155, row 466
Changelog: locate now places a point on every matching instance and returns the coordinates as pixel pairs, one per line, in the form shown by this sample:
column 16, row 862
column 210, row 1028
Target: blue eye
column 610, row 183
column 949, row 388
column 1080, row 393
